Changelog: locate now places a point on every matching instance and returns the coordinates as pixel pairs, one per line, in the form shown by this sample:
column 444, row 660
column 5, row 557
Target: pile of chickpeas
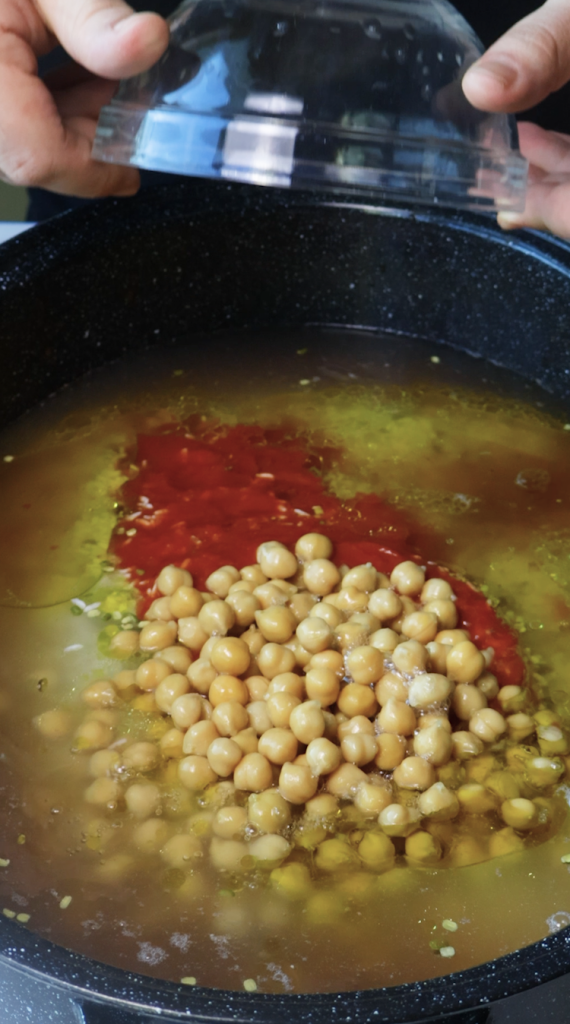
column 319, row 718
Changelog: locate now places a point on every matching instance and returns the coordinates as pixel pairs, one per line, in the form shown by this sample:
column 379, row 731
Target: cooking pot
column 194, row 258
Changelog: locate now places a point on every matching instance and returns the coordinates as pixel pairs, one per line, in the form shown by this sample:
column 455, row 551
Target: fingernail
column 493, row 69
column 509, row 221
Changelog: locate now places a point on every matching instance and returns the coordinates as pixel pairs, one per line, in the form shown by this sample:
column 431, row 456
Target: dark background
column 489, row 18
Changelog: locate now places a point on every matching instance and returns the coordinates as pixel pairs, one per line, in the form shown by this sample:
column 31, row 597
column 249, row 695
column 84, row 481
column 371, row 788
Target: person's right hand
column 46, row 131
column 527, row 64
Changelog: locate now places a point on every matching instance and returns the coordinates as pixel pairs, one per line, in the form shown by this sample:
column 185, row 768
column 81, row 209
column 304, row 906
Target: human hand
column 523, row 67
column 47, row 128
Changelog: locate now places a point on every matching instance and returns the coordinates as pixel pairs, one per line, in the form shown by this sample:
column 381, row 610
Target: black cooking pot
column 197, row 259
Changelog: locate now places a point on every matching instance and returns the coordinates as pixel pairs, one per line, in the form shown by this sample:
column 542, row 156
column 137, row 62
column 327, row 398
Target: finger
column 38, row 149
column 106, row 36
column 84, row 99
column 525, row 65
column 548, row 151
column 547, row 209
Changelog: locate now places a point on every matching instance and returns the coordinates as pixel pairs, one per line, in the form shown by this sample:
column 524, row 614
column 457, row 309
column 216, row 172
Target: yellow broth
column 484, row 469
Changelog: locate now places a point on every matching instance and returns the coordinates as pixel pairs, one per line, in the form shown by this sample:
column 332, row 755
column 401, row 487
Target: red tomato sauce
column 206, row 495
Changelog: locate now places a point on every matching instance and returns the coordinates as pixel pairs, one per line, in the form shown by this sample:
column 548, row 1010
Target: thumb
column 106, row 36
column 525, row 65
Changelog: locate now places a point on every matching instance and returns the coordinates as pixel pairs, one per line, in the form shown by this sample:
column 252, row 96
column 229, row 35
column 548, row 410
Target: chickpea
column 423, row 848
column 125, row 682
column 230, row 717
column 551, row 740
column 365, row 664
column 359, row 748
column 437, row 657
column 229, row 822
column 54, row 724
column 223, row 756
column 408, row 578
column 230, row 656
column 182, row 851
column 322, row 685
column 103, row 792
column 170, row 578
column 420, row 626
column 220, row 581
column 323, row 756
column 520, row 814
column 488, row 725
column 201, row 675
column 253, row 773
column 150, row 835
column 141, row 756
column 229, row 855
column 208, row 647
column 504, row 842
column 226, row 688
column 334, row 856
column 436, row 589
column 191, row 633
column 350, row 634
column 302, row 604
column 314, row 634
column 465, row 663
column 332, row 660
column 297, row 784
column 466, row 746
column 287, row 682
column 302, row 657
column 367, row 620
column 186, row 602
column 167, row 692
column 177, row 657
column 350, row 600
column 385, row 640
column 322, row 806
column 276, row 561
column 397, row 717
column 195, row 771
column 541, row 771
column 391, row 751
column 268, row 811
column 385, row 604
column 244, row 607
column 313, row 546
column 198, row 738
column 171, row 744
column 259, row 718
column 328, row 613
column 414, row 773
column 103, row 763
column 143, row 799
column 159, row 610
column 511, row 699
column 445, row 613
column 216, row 618
column 467, row 699
column 475, row 799
column 391, row 687
column 92, row 735
column 355, row 699
column 438, row 803
column 125, row 644
column 241, row 587
column 277, row 624
column 520, row 726
column 451, row 637
column 247, row 740
column 429, row 689
column 278, row 746
column 154, row 636
column 362, row 577
column 257, row 687
column 320, row 576
column 345, row 781
column 358, row 724
column 372, row 797
column 410, row 657
column 101, row 694
column 269, row 850
column 273, row 660
column 253, row 574
column 434, row 744
column 488, row 685
column 280, row 706
column 396, row 820
column 307, row 721
column 270, row 595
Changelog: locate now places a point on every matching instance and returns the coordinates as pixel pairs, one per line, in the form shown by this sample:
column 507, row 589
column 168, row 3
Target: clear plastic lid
column 360, row 96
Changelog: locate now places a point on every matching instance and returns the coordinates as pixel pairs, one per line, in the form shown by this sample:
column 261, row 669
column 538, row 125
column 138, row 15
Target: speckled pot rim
column 87, row 981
